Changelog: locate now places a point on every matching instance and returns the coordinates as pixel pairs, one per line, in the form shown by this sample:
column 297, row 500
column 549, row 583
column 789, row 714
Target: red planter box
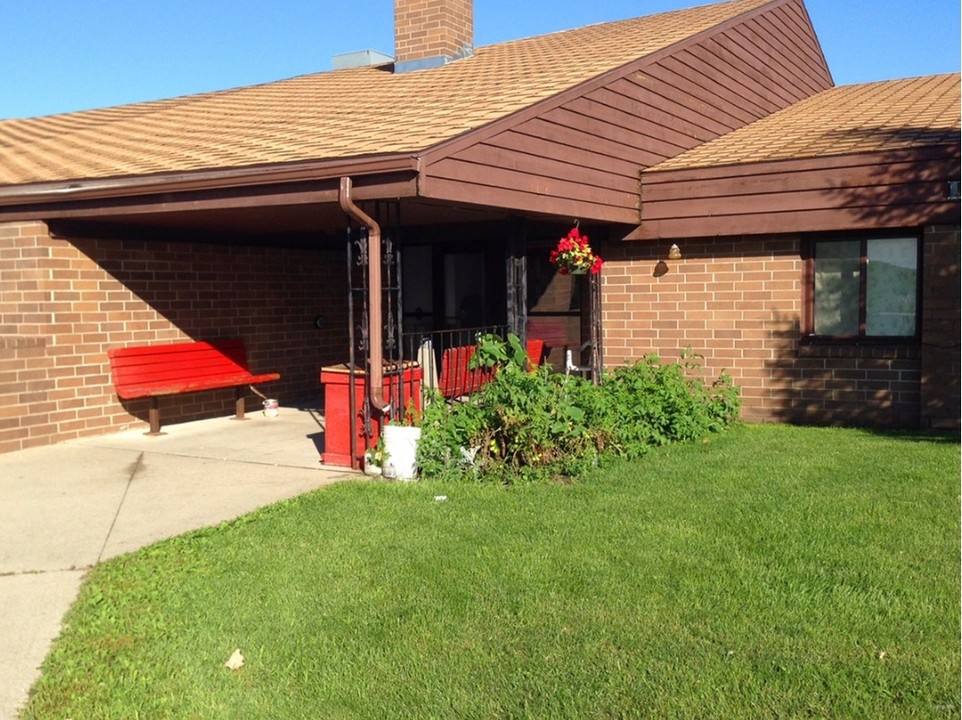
column 339, row 425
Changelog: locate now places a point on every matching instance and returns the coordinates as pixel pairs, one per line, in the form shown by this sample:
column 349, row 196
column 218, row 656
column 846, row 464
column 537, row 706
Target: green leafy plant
column 536, row 424
column 376, row 455
column 657, row 403
column 493, row 352
column 411, row 416
column 446, row 429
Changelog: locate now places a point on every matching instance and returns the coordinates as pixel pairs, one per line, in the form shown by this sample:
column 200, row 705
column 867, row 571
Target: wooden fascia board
column 324, row 191
column 867, row 190
column 655, row 175
column 452, row 146
column 538, row 204
column 285, row 182
column 748, row 225
column 788, row 223
column 818, row 43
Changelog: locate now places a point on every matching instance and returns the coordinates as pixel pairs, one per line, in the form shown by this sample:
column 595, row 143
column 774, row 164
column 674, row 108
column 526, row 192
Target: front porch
column 139, row 279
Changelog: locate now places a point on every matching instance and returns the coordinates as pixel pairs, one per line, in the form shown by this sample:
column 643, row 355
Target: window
column 864, row 287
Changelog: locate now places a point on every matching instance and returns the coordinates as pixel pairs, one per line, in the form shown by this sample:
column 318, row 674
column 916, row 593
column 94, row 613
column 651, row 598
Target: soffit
column 339, row 114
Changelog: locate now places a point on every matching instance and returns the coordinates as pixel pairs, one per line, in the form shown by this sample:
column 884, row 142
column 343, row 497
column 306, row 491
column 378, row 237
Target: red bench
column 535, row 350
column 458, row 380
column 157, row 370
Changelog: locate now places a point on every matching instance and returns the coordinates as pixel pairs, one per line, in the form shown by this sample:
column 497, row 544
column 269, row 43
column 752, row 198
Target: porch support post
column 516, row 268
column 597, row 349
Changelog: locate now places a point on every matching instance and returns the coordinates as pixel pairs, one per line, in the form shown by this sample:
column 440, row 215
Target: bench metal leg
column 238, row 404
column 154, row 417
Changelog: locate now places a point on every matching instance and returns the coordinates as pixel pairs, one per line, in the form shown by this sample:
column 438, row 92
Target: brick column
column 941, row 329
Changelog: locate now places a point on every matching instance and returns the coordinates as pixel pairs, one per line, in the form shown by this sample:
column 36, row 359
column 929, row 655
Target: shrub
column 655, row 404
column 536, row 424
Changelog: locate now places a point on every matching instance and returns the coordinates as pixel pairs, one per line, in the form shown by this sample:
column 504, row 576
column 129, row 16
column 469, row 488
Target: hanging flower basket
column 574, row 256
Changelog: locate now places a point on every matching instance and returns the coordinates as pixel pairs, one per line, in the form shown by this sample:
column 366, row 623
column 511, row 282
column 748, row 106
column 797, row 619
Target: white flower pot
column 401, row 447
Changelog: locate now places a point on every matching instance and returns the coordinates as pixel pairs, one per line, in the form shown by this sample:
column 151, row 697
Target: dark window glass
column 865, row 287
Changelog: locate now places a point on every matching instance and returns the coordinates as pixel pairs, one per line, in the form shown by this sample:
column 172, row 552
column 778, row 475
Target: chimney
column 431, row 33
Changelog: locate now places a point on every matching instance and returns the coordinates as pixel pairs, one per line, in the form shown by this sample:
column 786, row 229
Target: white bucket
column 401, row 446
column 271, row 408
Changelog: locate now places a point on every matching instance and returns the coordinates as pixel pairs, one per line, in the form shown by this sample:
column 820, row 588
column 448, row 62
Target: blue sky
column 65, row 55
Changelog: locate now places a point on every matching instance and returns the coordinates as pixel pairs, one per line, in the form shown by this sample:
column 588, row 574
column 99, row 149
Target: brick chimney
column 430, row 33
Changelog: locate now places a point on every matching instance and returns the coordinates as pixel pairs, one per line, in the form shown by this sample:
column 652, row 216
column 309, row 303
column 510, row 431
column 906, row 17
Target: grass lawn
column 773, row 572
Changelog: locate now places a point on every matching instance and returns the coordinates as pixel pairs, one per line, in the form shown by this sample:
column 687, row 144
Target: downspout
column 375, row 385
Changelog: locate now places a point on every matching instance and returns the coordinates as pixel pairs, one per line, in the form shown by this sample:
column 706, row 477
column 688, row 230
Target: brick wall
column 739, row 303
column 941, row 329
column 432, row 28
column 64, row 303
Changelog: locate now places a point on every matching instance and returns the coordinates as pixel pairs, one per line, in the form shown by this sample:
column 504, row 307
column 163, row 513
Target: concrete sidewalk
column 66, row 507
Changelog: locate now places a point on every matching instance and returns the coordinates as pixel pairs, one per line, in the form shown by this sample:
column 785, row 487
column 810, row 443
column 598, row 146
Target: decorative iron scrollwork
column 361, row 245
column 388, row 254
column 363, row 339
column 390, row 340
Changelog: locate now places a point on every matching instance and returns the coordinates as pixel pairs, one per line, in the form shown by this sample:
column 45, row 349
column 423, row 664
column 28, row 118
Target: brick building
column 818, row 226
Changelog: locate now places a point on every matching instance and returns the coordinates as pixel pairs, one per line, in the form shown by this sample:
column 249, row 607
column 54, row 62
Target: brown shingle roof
column 872, row 117
column 338, row 114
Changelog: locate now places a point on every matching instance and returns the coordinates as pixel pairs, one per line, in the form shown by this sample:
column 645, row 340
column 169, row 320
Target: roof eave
column 72, row 190
column 901, row 187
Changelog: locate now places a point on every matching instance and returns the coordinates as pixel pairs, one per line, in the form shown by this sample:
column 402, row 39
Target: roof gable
column 580, row 152
column 338, row 114
column 868, row 156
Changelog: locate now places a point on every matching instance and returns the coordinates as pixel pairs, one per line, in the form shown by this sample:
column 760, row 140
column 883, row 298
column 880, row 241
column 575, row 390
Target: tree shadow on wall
column 906, row 186
column 910, row 188
column 842, row 385
column 270, row 296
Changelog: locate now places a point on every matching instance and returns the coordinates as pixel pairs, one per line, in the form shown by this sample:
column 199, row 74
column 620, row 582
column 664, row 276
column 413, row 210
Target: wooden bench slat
column 223, row 345
column 190, row 369
column 135, row 390
column 535, row 350
column 180, row 357
column 162, row 372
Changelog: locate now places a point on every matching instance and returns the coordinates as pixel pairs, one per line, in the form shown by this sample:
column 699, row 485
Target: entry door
column 417, row 282
column 444, row 289
column 554, row 309
column 465, row 299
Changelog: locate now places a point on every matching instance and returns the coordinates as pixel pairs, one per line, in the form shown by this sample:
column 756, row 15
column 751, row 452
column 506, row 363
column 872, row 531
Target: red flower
column 574, row 253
